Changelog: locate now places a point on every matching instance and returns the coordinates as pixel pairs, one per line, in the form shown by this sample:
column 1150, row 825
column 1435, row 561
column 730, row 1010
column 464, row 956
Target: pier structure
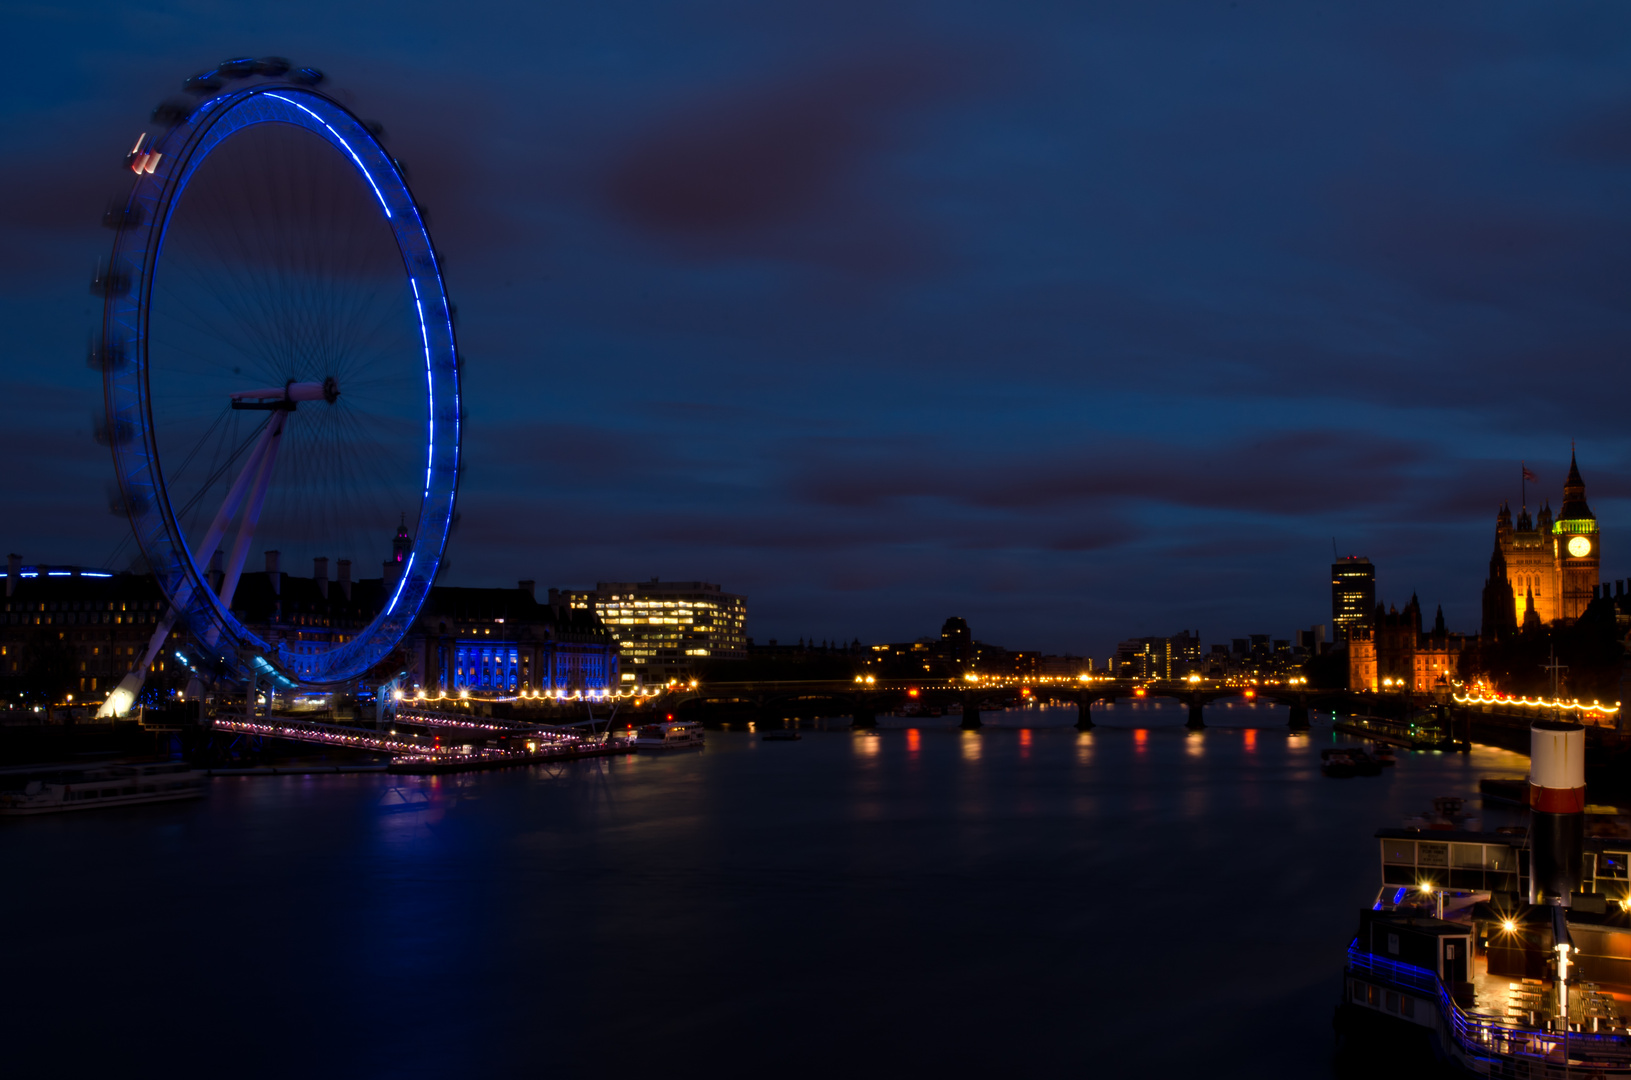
column 423, row 741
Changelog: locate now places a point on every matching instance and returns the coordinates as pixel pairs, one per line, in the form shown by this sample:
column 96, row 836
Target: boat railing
column 1481, row 1037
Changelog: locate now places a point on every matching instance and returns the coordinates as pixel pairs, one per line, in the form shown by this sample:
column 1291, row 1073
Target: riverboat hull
column 105, row 787
column 667, row 737
column 101, row 804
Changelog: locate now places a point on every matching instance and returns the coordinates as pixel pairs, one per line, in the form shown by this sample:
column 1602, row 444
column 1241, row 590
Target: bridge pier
column 1197, row 710
column 1084, row 711
column 763, row 718
column 971, row 712
column 864, row 717
column 1299, row 715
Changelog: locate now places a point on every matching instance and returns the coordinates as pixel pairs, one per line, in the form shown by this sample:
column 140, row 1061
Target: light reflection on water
column 971, row 745
column 876, row 887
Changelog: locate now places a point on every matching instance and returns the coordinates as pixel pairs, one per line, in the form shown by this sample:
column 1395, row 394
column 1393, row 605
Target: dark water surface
column 1135, row 901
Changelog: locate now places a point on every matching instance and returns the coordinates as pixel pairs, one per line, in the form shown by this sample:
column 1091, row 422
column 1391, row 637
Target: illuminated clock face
column 1579, row 546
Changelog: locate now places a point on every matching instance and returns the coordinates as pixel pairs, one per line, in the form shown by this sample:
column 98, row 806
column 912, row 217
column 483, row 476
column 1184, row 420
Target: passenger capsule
column 206, row 82
column 120, row 214
column 109, row 281
column 172, row 112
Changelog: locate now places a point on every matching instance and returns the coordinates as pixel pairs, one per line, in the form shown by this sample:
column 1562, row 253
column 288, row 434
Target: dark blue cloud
column 1079, row 323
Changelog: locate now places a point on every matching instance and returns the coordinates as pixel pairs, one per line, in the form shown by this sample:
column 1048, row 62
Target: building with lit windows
column 497, row 642
column 957, row 654
column 77, row 630
column 1392, row 651
column 662, row 628
column 1159, row 657
column 480, row 642
column 1353, row 595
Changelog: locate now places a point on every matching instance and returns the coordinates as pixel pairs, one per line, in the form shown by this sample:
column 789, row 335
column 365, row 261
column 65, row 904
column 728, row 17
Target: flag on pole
column 1527, row 475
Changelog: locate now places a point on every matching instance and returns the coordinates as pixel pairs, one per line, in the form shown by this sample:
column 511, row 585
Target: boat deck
column 1531, row 1002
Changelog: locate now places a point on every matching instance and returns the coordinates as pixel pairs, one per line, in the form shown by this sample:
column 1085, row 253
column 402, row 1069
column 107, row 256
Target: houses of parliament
column 1543, row 570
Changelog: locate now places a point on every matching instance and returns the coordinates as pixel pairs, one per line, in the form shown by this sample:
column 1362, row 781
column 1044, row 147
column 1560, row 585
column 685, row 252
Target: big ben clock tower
column 1574, row 547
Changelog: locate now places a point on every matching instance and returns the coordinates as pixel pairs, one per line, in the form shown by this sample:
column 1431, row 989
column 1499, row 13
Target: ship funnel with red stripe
column 1557, row 801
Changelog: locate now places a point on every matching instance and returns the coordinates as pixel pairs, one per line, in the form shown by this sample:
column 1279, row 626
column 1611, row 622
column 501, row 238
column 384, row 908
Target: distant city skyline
column 1076, row 325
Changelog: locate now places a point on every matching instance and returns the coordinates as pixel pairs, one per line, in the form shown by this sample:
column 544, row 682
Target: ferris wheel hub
column 287, row 396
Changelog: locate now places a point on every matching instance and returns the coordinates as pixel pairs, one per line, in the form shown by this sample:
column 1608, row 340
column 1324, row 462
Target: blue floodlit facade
column 496, row 642
column 486, row 668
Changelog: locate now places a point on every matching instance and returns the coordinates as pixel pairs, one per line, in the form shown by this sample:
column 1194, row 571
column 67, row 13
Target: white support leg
column 124, row 695
column 252, row 513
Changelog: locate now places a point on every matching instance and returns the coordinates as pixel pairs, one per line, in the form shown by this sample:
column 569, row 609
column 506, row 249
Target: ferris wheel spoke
column 218, row 472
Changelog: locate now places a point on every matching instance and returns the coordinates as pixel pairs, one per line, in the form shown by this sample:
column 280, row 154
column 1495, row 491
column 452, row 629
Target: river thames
column 1138, row 900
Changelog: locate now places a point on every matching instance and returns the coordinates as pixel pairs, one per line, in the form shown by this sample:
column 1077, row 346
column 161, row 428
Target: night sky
column 1079, row 324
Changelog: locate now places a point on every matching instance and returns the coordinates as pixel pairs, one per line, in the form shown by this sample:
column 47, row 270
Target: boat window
column 1467, row 856
column 1400, row 852
column 1612, row 864
column 1432, row 854
column 1500, row 857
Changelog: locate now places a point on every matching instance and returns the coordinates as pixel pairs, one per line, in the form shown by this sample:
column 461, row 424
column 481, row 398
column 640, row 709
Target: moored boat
column 1338, row 763
column 671, row 735
column 103, row 786
column 1504, row 953
column 1364, row 764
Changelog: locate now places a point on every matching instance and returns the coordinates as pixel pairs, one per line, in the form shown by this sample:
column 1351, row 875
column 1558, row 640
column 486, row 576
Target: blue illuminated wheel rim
column 136, row 421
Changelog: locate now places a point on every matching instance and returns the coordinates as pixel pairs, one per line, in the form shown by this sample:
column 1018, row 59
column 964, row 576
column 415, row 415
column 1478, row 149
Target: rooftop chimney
column 345, row 578
column 529, row 587
column 554, row 598
column 272, row 574
column 14, row 566
column 319, row 573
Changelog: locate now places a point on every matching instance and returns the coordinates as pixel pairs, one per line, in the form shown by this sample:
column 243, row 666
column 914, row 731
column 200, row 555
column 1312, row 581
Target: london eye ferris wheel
column 279, row 364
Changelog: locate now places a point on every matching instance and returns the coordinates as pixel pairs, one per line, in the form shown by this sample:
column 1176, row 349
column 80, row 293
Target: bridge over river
column 866, row 698
column 420, row 739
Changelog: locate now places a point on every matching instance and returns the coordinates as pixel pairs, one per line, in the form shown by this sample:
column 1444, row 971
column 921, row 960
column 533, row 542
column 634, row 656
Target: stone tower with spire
column 1574, row 546
column 1500, row 612
column 1550, row 565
